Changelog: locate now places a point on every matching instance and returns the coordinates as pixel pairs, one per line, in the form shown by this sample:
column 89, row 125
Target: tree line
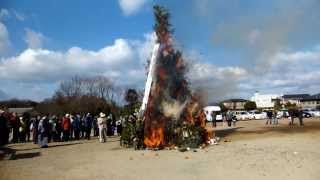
column 84, row 95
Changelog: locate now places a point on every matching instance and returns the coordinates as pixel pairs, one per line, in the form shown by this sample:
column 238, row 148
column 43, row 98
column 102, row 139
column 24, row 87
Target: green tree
column 277, row 106
column 289, row 105
column 223, row 107
column 162, row 26
column 250, row 105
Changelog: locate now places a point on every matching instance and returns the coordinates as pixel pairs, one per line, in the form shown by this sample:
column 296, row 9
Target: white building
column 264, row 101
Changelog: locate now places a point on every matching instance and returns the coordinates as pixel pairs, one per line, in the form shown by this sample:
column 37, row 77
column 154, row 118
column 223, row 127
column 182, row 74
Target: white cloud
column 4, row 39
column 123, row 61
column 4, row 13
column 34, row 39
column 289, row 72
column 19, row 16
column 299, row 56
column 47, row 65
column 130, row 7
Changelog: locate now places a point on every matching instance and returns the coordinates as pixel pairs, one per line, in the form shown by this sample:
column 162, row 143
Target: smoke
column 252, row 33
column 173, row 109
column 261, row 35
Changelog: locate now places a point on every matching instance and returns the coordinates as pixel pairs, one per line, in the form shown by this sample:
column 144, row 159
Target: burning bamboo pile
column 172, row 113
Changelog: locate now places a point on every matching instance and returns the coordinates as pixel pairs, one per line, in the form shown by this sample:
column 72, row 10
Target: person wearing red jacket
column 66, row 125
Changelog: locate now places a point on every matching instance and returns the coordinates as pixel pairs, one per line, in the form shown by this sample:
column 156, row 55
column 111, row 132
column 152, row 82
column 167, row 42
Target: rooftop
column 296, row 96
column 235, row 100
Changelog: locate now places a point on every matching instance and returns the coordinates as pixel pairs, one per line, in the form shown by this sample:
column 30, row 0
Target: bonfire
column 171, row 111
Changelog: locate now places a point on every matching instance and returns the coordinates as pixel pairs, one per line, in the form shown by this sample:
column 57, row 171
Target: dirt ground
column 252, row 150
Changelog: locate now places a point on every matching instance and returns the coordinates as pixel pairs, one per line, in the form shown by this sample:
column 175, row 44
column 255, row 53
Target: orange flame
column 156, row 138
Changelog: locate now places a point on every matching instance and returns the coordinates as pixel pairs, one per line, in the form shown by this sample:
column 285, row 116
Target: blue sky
column 235, row 47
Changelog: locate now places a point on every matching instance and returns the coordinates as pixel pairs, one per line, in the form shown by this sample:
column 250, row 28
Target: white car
column 243, row 115
column 313, row 112
column 282, row 113
column 257, row 115
column 208, row 110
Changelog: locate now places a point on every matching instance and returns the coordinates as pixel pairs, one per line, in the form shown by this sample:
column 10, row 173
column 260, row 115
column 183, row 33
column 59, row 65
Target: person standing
column 43, row 131
column 4, row 129
column 275, row 118
column 88, row 125
column 82, row 126
column 110, row 125
column 76, row 127
column 71, row 133
column 269, row 118
column 95, row 127
column 102, row 124
column 66, row 124
column 22, row 130
column 119, row 126
column 229, row 118
column 234, row 120
column 300, row 116
column 15, row 124
column 59, row 128
column 291, row 116
column 26, row 119
column 214, row 118
column 34, row 129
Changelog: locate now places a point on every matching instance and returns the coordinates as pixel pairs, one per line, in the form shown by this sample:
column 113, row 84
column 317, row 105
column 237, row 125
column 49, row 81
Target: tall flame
column 170, row 104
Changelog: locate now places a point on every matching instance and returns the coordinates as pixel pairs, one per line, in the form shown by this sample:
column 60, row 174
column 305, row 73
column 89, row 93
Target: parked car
column 307, row 115
column 208, row 110
column 313, row 112
column 257, row 115
column 282, row 114
column 242, row 115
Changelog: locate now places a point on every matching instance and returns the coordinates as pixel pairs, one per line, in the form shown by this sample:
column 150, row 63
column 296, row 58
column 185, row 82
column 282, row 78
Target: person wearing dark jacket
column 34, row 129
column 300, row 116
column 59, row 129
column 88, row 125
column 214, row 119
column 229, row 117
column 15, row 124
column 110, row 126
column 4, row 129
column 26, row 119
column 269, row 118
column 76, row 127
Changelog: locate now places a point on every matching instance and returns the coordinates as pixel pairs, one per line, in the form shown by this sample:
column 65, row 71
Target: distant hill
column 316, row 95
column 16, row 103
column 3, row 95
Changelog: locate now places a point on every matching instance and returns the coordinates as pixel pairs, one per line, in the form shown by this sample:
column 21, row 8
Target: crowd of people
column 228, row 118
column 272, row 117
column 44, row 129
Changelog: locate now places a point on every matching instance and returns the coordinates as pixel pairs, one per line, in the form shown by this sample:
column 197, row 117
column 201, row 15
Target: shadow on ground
column 15, row 156
column 11, row 154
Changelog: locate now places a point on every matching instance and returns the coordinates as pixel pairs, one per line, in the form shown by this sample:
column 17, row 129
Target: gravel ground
column 251, row 150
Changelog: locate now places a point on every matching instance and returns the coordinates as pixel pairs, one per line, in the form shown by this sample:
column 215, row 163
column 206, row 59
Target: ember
column 173, row 115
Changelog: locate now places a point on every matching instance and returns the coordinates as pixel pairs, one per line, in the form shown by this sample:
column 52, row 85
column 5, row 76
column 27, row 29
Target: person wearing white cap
column 66, row 126
column 102, row 124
